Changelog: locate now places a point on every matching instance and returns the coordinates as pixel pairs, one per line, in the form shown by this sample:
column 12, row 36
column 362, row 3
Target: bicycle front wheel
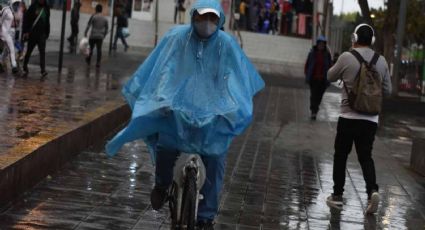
column 189, row 200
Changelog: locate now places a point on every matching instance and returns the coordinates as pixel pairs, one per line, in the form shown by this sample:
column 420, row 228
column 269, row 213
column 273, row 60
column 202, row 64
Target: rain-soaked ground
column 31, row 106
column 278, row 175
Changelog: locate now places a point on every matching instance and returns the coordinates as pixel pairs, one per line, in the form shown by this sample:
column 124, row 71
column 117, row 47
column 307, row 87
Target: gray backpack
column 366, row 95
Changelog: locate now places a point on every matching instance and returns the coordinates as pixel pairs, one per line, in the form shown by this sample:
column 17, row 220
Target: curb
column 25, row 165
column 263, row 65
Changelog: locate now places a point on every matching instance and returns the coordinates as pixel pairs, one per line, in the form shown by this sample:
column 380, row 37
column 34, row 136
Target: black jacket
column 42, row 27
column 122, row 21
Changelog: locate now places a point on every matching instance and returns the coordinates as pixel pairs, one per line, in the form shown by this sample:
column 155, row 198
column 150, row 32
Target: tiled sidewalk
column 278, row 175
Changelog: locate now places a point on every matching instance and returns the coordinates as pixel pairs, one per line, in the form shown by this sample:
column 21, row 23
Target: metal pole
column 156, row 21
column 112, row 26
column 232, row 16
column 62, row 36
column 315, row 23
column 400, row 36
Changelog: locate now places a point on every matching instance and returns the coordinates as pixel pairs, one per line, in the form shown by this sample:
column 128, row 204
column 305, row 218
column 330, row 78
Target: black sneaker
column 313, row 116
column 15, row 70
column 43, row 73
column 158, row 197
column 205, row 225
column 335, row 201
column 25, row 72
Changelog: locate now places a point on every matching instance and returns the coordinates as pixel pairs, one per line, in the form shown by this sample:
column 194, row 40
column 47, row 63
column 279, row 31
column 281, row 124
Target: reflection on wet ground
column 50, row 105
column 278, row 175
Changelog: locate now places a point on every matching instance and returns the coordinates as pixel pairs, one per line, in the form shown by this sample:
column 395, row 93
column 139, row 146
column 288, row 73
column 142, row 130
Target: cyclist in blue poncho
column 192, row 94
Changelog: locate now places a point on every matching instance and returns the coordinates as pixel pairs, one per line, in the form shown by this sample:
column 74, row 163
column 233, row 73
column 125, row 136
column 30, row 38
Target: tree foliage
column 385, row 23
column 415, row 23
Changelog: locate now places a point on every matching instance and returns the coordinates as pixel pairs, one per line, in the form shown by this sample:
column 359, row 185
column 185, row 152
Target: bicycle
column 184, row 196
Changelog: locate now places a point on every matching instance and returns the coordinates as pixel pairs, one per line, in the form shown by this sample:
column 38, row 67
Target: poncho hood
column 214, row 4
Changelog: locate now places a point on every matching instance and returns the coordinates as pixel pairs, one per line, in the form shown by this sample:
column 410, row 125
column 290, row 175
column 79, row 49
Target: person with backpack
column 318, row 62
column 36, row 29
column 7, row 35
column 99, row 29
column 366, row 80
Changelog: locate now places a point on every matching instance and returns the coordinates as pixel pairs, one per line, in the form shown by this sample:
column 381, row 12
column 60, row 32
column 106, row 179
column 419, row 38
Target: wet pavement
column 46, row 107
column 278, row 175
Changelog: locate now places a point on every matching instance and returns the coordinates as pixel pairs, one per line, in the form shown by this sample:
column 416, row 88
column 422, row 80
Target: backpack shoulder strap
column 38, row 18
column 357, row 56
column 374, row 59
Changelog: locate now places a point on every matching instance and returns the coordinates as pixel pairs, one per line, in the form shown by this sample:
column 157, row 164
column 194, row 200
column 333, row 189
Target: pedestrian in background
column 19, row 9
column 318, row 62
column 7, row 35
column 181, row 11
column 274, row 16
column 75, row 17
column 36, row 29
column 122, row 26
column 355, row 126
column 253, row 15
column 242, row 15
column 99, row 28
column 176, row 10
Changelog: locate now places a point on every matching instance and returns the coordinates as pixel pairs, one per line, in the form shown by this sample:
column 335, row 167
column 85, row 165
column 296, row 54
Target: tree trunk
column 364, row 7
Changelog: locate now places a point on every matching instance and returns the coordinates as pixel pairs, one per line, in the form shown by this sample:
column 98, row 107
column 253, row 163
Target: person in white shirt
column 354, row 127
column 7, row 35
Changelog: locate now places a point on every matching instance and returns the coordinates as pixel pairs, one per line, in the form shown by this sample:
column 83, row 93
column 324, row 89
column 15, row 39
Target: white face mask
column 205, row 28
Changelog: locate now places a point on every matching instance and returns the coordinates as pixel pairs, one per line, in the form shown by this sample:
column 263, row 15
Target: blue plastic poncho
column 191, row 94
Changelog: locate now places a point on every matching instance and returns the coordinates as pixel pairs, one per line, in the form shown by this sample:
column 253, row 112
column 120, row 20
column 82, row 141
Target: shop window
column 137, row 5
column 147, row 5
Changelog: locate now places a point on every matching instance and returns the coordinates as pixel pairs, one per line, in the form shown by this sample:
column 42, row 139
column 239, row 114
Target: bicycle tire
column 189, row 201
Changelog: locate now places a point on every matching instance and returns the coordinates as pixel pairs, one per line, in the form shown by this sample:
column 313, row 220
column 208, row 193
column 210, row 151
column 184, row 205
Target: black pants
column 317, row 89
column 119, row 35
column 40, row 42
column 176, row 11
column 362, row 133
column 98, row 43
column 74, row 35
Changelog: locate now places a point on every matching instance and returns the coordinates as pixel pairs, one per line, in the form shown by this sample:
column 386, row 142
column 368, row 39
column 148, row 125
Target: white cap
column 208, row 10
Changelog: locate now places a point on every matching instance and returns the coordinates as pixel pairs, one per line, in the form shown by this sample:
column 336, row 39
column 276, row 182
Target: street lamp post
column 315, row 22
column 156, row 22
column 62, row 35
column 112, row 27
